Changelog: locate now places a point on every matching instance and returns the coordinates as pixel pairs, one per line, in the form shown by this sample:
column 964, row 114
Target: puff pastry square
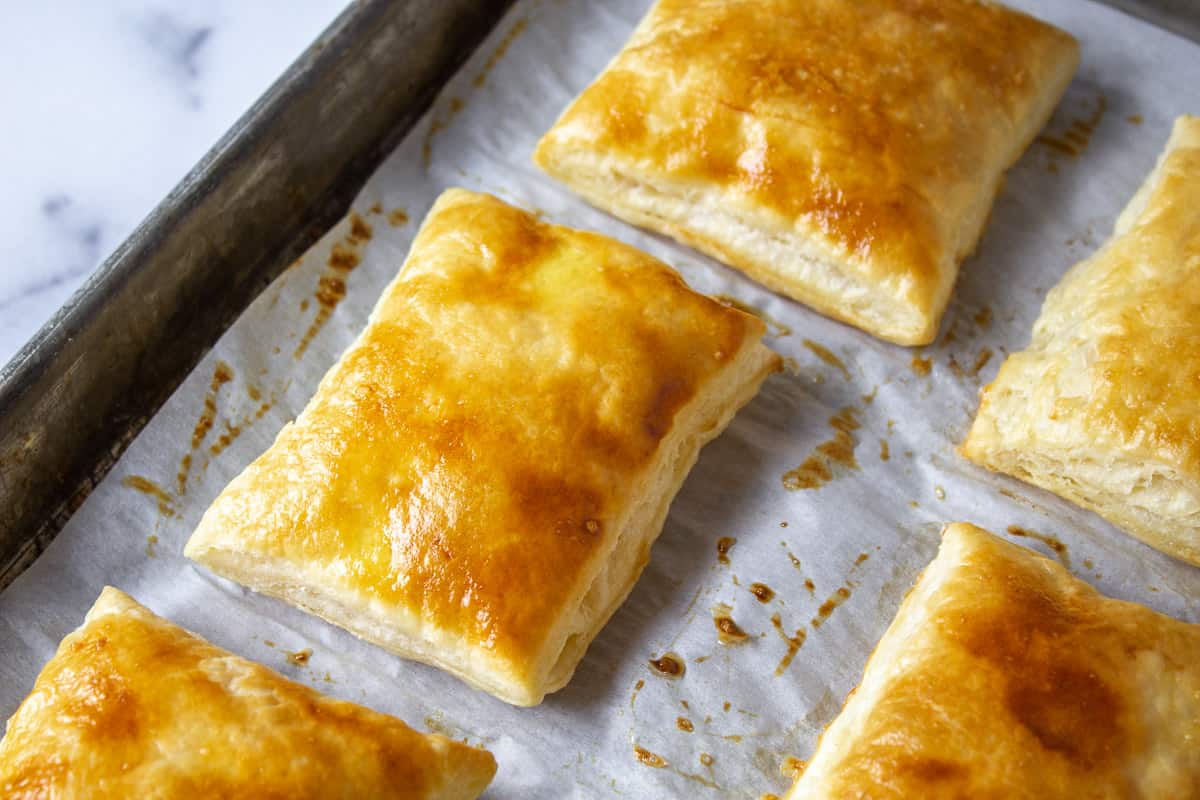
column 843, row 152
column 478, row 481
column 1004, row 677
column 1103, row 408
column 133, row 706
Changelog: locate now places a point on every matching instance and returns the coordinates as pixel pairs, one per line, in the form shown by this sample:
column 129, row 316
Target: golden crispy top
column 878, row 124
column 133, row 706
column 1005, row 677
column 465, row 459
column 1116, row 351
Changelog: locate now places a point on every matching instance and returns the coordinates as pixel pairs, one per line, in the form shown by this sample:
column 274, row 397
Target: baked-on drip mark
column 436, row 126
column 831, row 603
column 1078, row 134
column 728, row 631
column 669, row 665
column 775, row 328
column 724, row 544
column 828, row 357
column 300, row 657
column 649, row 759
column 456, row 104
column 794, row 643
column 344, row 257
column 762, row 593
column 1057, row 547
column 637, row 688
column 808, row 584
column 817, row 469
column 921, row 366
column 501, row 49
column 222, row 374
column 151, row 489
column 981, row 361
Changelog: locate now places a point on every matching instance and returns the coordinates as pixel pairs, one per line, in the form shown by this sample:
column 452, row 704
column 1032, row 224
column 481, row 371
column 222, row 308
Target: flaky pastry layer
column 843, row 153
column 1103, row 407
column 478, row 481
column 133, row 706
column 1003, row 676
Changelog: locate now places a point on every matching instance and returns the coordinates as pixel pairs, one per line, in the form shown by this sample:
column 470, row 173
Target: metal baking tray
column 79, row 392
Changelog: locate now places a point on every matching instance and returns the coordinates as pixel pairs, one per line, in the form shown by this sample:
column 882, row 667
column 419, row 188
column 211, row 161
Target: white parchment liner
column 1054, row 211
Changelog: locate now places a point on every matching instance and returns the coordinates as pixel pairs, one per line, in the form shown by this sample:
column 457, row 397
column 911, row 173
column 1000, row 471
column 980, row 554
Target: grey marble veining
column 107, row 105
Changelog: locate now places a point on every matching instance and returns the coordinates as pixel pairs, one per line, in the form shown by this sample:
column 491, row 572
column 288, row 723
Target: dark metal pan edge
column 1181, row 17
column 78, row 393
column 161, row 300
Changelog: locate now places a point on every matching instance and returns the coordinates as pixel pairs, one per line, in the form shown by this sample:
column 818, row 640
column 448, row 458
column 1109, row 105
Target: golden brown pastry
column 1103, row 408
column 478, row 481
column 845, row 153
column 132, row 706
column 1004, row 677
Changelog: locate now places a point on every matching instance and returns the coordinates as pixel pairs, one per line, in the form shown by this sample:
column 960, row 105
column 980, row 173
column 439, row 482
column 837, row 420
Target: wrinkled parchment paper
column 868, row 531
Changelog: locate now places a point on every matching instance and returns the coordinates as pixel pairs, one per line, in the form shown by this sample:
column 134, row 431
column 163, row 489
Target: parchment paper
column 804, row 544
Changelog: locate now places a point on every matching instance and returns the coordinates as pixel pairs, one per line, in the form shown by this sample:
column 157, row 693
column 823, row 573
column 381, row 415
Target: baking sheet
column 841, row 553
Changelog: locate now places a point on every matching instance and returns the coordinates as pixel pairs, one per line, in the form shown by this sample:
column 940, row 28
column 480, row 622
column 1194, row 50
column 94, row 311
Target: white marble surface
column 106, row 106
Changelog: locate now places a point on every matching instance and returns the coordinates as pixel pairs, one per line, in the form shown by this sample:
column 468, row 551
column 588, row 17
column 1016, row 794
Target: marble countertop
column 108, row 106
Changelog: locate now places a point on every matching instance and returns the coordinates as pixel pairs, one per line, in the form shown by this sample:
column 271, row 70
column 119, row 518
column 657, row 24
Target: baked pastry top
column 479, row 479
column 133, row 706
column 1103, row 407
column 843, row 153
column 1004, row 677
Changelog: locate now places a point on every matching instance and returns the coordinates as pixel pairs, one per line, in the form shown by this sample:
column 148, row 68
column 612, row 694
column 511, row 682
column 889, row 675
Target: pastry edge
column 908, row 621
column 797, row 265
column 1044, row 465
column 377, row 624
column 886, row 313
column 960, row 543
column 1079, row 480
column 464, row 777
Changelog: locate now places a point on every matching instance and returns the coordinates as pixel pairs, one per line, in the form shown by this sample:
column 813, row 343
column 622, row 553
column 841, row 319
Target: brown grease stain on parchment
column 439, row 122
column 149, row 488
column 501, row 49
column 796, row 639
column 669, row 665
column 344, row 257
column 774, row 327
column 1056, row 546
column 827, row 355
column 818, row 469
column 205, row 423
column 728, row 631
column 1075, row 140
column 724, row 545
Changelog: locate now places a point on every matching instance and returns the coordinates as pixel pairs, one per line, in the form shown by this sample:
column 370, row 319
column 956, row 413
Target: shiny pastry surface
column 879, row 128
column 134, row 706
column 1004, row 676
column 1103, row 407
column 463, row 471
